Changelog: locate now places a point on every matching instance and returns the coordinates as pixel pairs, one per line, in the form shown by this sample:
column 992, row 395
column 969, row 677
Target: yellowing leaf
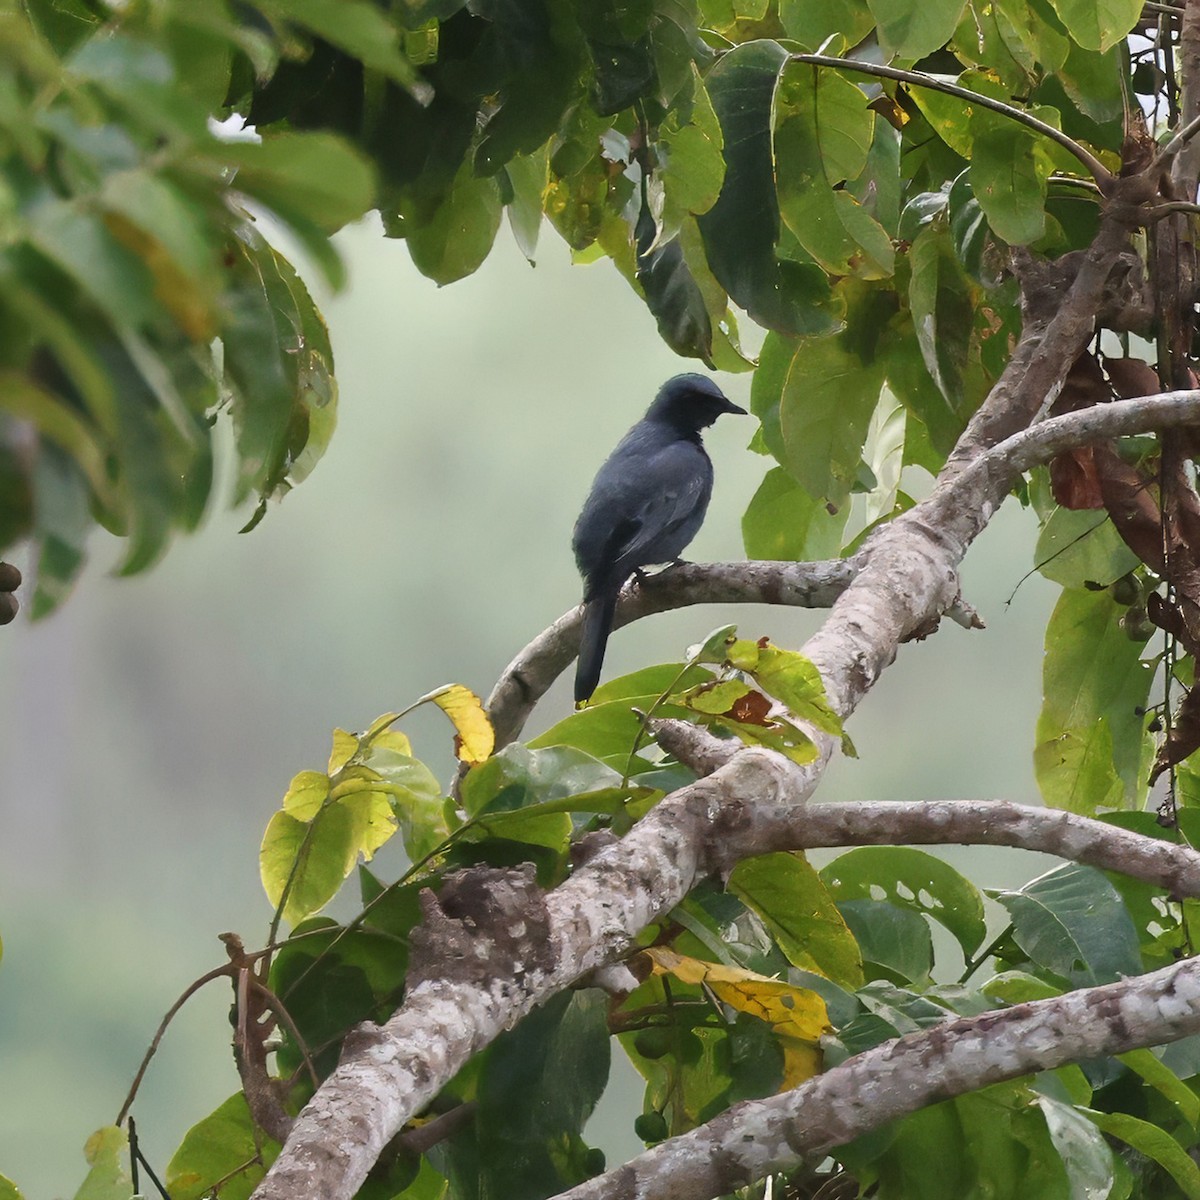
column 107, row 1178
column 796, row 1015
column 304, row 864
column 475, row 735
column 344, row 747
column 390, row 739
column 305, row 795
column 374, row 820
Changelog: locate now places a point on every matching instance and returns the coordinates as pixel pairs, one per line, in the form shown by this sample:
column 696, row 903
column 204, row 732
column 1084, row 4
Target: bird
column 647, row 502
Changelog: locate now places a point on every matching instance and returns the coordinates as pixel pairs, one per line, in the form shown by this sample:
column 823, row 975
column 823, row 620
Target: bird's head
column 691, row 401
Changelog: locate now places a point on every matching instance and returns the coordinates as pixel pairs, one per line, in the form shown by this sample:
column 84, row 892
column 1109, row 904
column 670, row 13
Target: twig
column 192, row 988
column 1102, row 175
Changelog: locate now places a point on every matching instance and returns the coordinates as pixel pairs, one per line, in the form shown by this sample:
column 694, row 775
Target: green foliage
column 863, row 224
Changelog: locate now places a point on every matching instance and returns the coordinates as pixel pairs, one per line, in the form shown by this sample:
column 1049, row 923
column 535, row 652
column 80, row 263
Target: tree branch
column 1168, row 865
column 756, row 1138
column 468, row 992
column 528, row 677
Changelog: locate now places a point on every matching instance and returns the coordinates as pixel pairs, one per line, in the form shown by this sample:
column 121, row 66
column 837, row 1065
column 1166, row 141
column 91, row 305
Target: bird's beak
column 730, row 407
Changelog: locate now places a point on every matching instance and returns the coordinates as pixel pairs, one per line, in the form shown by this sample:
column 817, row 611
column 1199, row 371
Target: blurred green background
column 148, row 731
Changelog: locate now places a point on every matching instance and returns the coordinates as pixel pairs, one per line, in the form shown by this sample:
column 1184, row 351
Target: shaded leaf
column 914, row 880
column 1072, row 922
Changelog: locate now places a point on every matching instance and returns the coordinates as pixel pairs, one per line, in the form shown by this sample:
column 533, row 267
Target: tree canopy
column 954, row 241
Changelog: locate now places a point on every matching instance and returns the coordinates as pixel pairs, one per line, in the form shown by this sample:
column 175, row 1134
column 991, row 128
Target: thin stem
column 1177, row 143
column 192, row 988
column 1158, row 211
column 1103, row 176
column 974, row 963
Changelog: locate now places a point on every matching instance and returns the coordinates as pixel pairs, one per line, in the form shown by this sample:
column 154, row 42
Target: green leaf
column 305, row 795
column 1091, row 746
column 942, row 311
column 766, row 393
column 527, row 176
column 691, row 165
column 520, row 776
column 1008, row 175
column 607, row 728
column 1152, row 1070
column 175, row 240
column 784, row 522
column 671, row 292
column 1085, row 1153
column 895, row 943
column 213, row 1150
column 1071, row 921
column 454, row 242
column 316, row 175
column 62, row 522
column 416, row 798
column 538, row 1085
column 911, row 29
column 358, row 28
column 331, row 978
column 790, row 677
column 1098, row 24
column 831, row 391
column 9, row 1190
column 793, row 903
column 107, row 1178
column 741, row 230
column 912, row 880
column 1154, row 1143
column 1080, row 546
column 317, row 855
column 115, row 278
column 812, row 22
column 823, row 133
column 279, row 366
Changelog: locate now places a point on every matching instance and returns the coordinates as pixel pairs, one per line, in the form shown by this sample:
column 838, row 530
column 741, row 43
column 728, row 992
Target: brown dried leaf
column 1084, row 386
column 1184, row 738
column 1074, row 481
column 1131, row 377
column 1131, row 505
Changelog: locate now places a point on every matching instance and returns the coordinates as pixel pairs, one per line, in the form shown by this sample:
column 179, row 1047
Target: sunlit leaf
column 787, row 893
column 466, row 712
column 107, row 1178
column 1091, row 750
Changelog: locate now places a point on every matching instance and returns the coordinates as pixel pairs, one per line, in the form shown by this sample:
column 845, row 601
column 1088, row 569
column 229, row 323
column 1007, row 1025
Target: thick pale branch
column 755, row 1138
column 390, row 1073
column 1078, row 839
column 528, row 677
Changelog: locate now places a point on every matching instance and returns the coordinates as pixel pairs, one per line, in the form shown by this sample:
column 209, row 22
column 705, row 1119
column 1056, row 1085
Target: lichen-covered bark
column 760, row 1136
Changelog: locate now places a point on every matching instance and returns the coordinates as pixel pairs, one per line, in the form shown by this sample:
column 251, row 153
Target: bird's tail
column 597, row 624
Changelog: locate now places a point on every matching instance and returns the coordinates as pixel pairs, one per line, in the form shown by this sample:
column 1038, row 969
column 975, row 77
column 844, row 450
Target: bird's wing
column 675, row 482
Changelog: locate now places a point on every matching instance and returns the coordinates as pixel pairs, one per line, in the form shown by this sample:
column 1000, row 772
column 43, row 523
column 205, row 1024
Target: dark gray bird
column 647, row 502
